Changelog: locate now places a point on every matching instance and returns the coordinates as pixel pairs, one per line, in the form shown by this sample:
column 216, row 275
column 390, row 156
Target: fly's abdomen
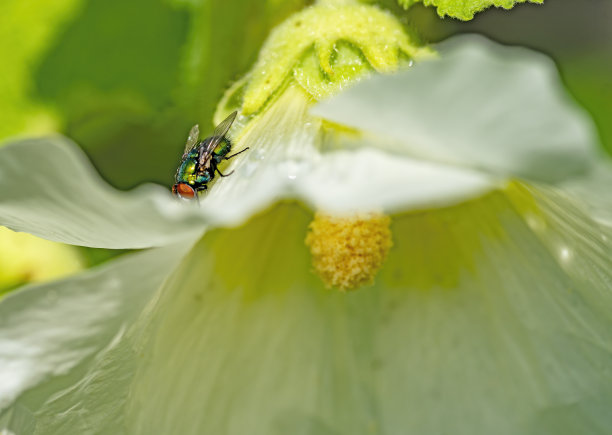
column 221, row 150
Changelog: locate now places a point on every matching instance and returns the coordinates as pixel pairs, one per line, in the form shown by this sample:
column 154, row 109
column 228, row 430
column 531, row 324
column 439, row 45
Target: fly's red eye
column 183, row 190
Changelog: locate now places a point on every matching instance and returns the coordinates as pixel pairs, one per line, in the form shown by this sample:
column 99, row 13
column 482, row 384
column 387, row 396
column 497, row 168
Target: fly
column 200, row 159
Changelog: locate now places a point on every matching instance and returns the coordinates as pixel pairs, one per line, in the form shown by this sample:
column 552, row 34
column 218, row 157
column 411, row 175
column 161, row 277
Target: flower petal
column 593, row 191
column 496, row 312
column 345, row 182
column 482, row 105
column 67, row 201
column 47, row 330
column 49, row 189
column 477, row 313
column 285, row 160
column 368, row 179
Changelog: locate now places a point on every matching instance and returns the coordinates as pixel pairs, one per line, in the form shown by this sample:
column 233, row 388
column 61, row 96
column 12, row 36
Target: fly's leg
column 234, row 155
column 223, row 175
column 216, row 169
column 202, row 188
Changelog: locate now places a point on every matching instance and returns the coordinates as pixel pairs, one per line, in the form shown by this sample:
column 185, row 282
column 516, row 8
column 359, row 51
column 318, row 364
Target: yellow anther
column 347, row 252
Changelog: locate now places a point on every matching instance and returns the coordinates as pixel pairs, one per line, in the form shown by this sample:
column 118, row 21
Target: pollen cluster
column 347, row 252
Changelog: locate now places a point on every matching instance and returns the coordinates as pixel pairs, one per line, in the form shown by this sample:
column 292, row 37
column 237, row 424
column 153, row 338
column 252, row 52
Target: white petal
column 47, row 330
column 368, row 179
column 478, row 324
column 67, row 201
column 482, row 105
column 488, row 317
column 346, row 182
column 593, row 191
column 285, row 162
column 49, row 189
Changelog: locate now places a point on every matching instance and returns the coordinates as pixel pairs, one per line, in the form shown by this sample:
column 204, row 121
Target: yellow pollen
column 347, row 252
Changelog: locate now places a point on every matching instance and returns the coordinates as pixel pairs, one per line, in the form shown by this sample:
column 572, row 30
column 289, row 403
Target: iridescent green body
column 190, row 172
column 201, row 158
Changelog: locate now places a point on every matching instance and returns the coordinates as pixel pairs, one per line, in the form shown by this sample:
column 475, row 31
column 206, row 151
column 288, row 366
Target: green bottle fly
column 201, row 159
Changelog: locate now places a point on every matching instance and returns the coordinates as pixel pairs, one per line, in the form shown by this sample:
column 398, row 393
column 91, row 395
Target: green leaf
column 501, row 110
column 465, row 9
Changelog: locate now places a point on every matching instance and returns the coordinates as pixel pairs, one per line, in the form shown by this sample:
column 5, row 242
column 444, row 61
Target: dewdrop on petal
column 348, row 251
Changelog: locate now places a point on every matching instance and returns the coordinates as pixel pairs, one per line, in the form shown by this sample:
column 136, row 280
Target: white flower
column 490, row 313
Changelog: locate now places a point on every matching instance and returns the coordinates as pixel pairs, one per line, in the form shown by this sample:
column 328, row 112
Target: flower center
column 347, row 252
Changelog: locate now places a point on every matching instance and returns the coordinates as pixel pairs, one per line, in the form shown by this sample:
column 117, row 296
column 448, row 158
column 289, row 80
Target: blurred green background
column 127, row 79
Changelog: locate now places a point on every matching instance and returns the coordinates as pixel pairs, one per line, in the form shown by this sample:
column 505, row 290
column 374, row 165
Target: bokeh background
column 127, row 79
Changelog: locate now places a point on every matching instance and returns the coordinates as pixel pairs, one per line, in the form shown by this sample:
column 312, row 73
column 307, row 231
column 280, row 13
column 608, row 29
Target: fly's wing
column 192, row 139
column 217, row 137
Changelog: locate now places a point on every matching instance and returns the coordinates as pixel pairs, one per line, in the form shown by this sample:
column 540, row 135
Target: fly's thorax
column 190, row 173
column 187, row 171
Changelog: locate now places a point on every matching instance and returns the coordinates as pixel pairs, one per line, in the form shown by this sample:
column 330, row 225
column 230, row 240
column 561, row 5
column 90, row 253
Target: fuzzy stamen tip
column 348, row 251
